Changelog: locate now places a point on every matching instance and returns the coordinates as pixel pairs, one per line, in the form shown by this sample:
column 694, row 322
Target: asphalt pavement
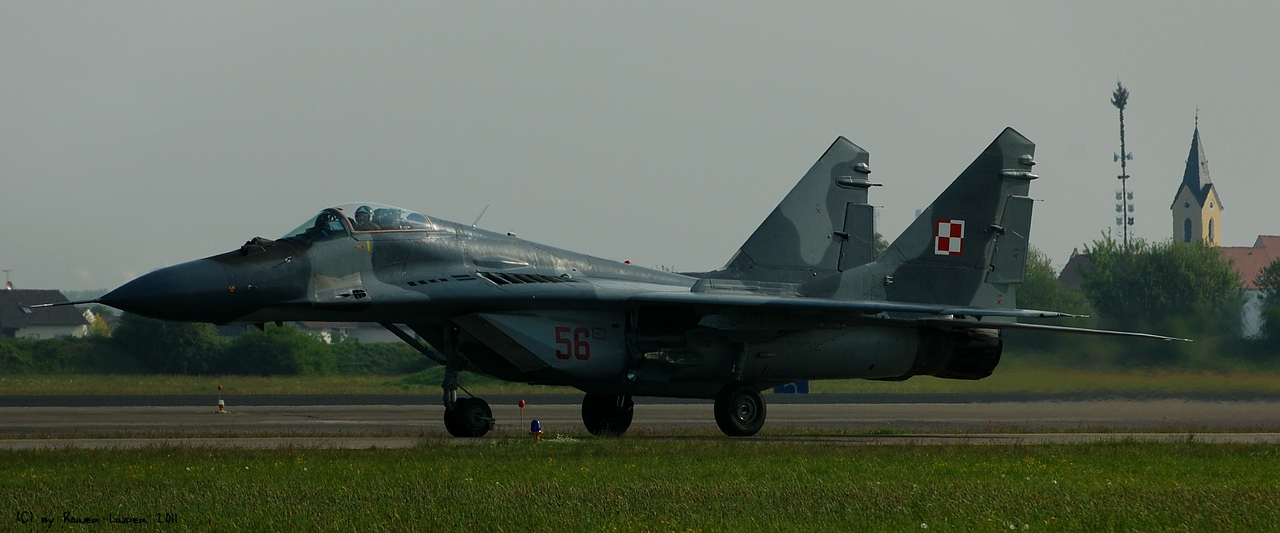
column 397, row 421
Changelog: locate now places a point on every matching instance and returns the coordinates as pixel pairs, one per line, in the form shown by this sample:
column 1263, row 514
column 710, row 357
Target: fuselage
column 523, row 311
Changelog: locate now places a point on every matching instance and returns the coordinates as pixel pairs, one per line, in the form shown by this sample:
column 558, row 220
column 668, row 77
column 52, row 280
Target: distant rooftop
column 16, row 312
column 1070, row 275
column 1250, row 260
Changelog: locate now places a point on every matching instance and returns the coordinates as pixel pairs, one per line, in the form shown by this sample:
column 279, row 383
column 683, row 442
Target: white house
column 1249, row 261
column 18, row 319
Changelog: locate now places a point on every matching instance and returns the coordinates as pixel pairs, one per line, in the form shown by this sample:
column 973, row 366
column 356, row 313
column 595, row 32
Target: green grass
column 656, row 485
column 1011, row 378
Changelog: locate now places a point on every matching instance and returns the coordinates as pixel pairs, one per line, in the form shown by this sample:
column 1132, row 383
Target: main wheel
column 471, row 418
column 607, row 415
column 739, row 410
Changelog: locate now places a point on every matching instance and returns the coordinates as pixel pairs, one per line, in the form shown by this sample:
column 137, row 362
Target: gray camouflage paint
column 802, row 237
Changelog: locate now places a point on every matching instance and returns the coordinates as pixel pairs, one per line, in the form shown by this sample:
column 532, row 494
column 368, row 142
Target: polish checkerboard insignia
column 948, row 237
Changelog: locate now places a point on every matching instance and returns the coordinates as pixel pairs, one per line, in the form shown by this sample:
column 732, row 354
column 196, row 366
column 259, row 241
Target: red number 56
column 576, row 345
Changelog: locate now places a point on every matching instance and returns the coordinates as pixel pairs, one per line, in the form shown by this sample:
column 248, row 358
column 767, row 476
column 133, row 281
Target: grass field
column 651, row 485
column 1007, row 378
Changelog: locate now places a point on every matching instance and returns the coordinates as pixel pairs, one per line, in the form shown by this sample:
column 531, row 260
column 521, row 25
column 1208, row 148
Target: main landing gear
column 607, row 415
column 739, row 410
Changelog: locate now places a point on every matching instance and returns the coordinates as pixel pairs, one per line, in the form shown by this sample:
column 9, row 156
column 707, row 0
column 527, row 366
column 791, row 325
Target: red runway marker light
column 521, row 404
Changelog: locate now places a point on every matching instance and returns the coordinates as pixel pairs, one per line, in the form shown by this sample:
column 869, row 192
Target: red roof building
column 1250, row 260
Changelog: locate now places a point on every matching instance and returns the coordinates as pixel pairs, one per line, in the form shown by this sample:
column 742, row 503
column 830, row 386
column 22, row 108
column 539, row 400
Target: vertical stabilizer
column 968, row 248
column 824, row 216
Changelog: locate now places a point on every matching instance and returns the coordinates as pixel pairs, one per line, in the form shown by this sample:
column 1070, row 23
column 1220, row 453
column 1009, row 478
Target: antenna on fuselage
column 486, row 208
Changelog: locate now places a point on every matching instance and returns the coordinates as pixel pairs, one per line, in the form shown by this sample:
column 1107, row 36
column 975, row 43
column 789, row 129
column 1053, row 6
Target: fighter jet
column 803, row 299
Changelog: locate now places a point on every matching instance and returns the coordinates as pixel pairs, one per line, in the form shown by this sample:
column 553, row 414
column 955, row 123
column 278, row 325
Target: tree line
column 1167, row 288
column 144, row 345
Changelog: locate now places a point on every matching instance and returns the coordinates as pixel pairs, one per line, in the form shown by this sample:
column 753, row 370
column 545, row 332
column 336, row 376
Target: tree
column 1040, row 288
column 1269, row 283
column 99, row 327
column 1190, row 286
column 169, row 347
column 278, row 351
column 879, row 246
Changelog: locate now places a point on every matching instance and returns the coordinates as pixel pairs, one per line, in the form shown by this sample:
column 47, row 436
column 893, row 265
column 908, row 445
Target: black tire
column 607, row 415
column 451, row 422
column 472, row 418
column 739, row 410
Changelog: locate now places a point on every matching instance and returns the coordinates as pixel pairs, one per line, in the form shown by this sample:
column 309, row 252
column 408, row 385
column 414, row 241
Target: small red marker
column 627, row 262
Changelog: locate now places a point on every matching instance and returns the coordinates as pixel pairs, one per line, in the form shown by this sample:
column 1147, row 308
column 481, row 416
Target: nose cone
column 198, row 291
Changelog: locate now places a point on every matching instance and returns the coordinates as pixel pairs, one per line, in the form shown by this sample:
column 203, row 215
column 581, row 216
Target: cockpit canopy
column 340, row 221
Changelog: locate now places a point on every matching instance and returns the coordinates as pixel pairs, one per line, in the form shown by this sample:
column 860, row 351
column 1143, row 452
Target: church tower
column 1197, row 212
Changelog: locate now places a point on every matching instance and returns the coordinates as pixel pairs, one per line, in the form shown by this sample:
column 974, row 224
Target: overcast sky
column 143, row 134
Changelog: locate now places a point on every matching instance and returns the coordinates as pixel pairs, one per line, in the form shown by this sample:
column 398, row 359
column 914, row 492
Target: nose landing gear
column 466, row 417
column 470, row 417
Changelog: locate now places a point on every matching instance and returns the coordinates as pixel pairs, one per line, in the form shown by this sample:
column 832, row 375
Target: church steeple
column 1196, row 176
column 1197, row 211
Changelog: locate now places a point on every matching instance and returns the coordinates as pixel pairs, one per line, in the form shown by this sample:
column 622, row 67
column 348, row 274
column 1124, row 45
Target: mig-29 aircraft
column 804, row 297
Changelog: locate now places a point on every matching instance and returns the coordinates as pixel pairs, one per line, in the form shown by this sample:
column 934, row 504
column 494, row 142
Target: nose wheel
column 739, row 410
column 471, row 417
column 463, row 417
column 607, row 415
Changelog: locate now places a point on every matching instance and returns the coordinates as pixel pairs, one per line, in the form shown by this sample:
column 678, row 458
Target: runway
column 813, row 418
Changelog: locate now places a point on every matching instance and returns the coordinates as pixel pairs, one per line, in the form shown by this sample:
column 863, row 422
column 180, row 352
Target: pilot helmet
column 365, row 211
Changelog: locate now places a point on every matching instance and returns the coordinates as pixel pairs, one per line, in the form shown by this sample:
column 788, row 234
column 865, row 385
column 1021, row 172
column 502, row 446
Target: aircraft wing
column 1048, row 327
column 804, row 304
